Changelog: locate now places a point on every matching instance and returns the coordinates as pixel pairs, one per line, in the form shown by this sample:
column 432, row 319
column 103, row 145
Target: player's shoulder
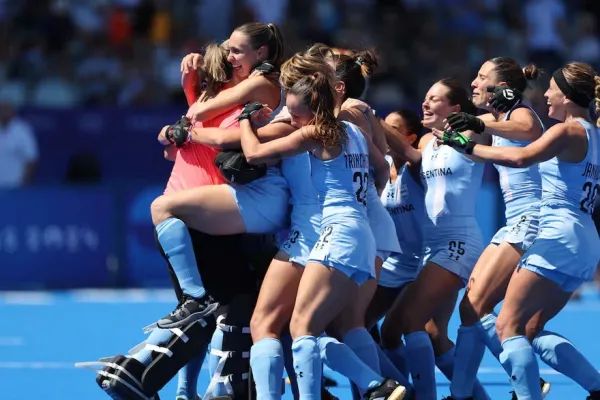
column 522, row 111
column 425, row 139
column 570, row 128
column 259, row 81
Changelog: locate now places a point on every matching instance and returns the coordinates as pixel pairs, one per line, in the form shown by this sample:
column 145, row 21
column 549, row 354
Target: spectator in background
column 98, row 75
column 214, row 19
column 18, row 147
column 586, row 47
column 545, row 22
column 119, row 27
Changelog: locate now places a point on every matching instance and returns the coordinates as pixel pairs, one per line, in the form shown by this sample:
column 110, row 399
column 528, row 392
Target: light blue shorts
column 303, row 234
column 521, row 233
column 566, row 282
column 382, row 254
column 264, row 203
column 398, row 270
column 348, row 246
column 456, row 249
column 281, row 236
column 567, row 246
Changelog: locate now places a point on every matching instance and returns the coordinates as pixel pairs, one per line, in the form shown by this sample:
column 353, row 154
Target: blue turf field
column 43, row 334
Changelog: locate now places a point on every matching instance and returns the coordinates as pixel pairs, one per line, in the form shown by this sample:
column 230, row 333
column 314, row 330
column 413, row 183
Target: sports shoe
column 545, row 386
column 189, row 310
column 388, row 390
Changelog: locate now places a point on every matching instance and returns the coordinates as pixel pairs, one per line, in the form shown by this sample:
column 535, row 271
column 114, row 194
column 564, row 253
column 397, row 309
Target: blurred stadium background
column 93, row 81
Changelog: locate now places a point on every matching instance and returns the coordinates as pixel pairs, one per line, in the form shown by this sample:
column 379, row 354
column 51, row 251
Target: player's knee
column 532, row 331
column 534, row 327
column 300, row 324
column 159, row 209
column 500, row 327
column 508, row 326
column 334, row 332
column 471, row 309
column 391, row 334
column 266, row 323
column 345, row 322
column 433, row 331
column 257, row 323
column 439, row 338
column 413, row 320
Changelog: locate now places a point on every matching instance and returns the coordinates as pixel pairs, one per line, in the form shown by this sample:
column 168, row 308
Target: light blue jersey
column 404, row 201
column 306, row 210
column 521, row 187
column 264, row 203
column 382, row 225
column 451, row 182
column 276, row 111
column 452, row 238
column 522, row 192
column 567, row 245
column 346, row 241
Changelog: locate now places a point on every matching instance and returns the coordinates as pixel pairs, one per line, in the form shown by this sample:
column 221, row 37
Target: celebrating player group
column 296, row 218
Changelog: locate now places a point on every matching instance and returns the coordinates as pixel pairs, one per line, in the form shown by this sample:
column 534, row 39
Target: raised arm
column 353, row 115
column 553, row 143
column 382, row 134
column 381, row 166
column 565, row 141
column 252, row 89
column 522, row 125
column 231, row 138
column 397, row 143
column 190, row 77
column 379, row 137
column 256, row 152
column 358, row 112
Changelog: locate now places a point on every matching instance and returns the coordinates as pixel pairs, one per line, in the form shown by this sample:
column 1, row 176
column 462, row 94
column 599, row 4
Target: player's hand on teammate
column 456, row 140
column 179, row 133
column 355, row 103
column 162, row 136
column 255, row 112
column 462, row 121
column 184, row 121
column 191, row 62
column 264, row 68
column 504, row 98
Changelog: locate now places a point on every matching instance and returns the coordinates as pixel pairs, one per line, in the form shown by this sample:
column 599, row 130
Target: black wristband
column 469, row 147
